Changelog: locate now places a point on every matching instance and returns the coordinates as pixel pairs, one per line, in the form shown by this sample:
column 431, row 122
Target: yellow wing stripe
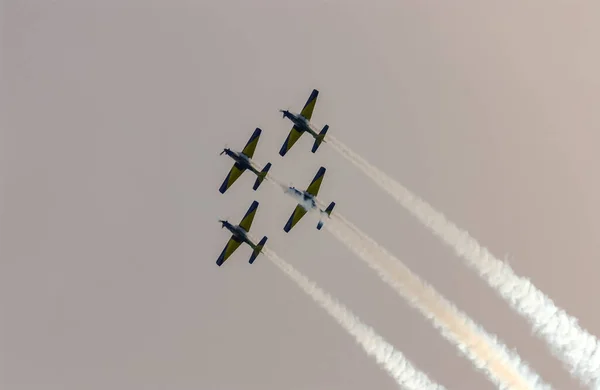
column 314, row 186
column 251, row 144
column 290, row 140
column 298, row 213
column 231, row 246
column 309, row 107
column 246, row 222
column 232, row 176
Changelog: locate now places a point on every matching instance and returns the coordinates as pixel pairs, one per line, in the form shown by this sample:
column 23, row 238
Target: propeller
column 223, row 151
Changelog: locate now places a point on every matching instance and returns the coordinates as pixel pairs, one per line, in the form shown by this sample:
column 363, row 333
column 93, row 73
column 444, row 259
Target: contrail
column 575, row 347
column 388, row 358
column 503, row 367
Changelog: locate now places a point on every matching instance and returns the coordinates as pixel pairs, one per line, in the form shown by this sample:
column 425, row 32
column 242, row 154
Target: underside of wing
column 309, row 107
column 246, row 222
column 314, row 186
column 235, row 172
column 290, row 140
column 251, row 144
column 298, row 213
column 231, row 246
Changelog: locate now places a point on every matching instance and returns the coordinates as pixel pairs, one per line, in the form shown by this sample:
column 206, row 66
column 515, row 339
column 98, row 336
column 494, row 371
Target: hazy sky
column 116, row 111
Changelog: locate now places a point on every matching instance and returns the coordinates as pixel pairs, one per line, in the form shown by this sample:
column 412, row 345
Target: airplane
column 240, row 235
column 306, row 202
column 243, row 162
column 302, row 124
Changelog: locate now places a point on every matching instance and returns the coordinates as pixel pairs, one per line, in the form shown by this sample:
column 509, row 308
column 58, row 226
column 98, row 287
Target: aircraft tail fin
column 320, row 137
column 258, row 249
column 328, row 211
column 261, row 176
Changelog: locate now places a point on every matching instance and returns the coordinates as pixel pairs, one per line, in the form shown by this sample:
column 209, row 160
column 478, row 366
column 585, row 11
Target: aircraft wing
column 314, row 186
column 309, row 107
column 251, row 144
column 235, row 172
column 231, row 246
column 298, row 213
column 246, row 222
column 290, row 140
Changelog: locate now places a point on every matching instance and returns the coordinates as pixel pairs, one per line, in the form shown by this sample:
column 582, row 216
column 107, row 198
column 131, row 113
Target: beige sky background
column 116, row 112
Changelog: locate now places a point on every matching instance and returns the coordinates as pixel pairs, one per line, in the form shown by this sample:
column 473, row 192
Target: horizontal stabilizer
column 328, row 211
column 319, row 138
column 329, row 208
column 258, row 249
column 261, row 176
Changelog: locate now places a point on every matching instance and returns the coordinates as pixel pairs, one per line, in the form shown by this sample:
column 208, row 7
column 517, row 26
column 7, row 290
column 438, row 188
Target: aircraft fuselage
column 304, row 199
column 300, row 122
column 238, row 232
column 241, row 159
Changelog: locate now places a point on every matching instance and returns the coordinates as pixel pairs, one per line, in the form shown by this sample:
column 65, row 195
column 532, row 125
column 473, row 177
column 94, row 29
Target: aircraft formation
column 306, row 198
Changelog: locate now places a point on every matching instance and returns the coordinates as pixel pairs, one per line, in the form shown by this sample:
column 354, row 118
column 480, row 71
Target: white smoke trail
column 388, row 358
column 482, row 349
column 503, row 367
column 575, row 347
